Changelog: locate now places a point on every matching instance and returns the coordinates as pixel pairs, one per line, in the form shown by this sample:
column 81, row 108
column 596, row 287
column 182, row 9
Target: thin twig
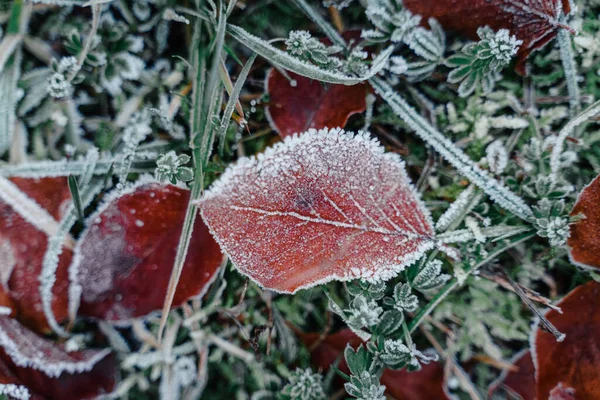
column 543, row 320
column 532, row 295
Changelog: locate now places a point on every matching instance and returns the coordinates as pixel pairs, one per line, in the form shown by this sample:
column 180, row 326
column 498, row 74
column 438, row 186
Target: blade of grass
column 209, row 85
column 233, row 101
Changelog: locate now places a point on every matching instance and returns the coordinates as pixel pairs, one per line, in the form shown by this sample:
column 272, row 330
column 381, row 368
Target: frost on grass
column 322, row 206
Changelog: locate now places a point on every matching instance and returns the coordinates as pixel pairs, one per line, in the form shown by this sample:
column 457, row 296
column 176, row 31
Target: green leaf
column 391, row 321
column 358, row 360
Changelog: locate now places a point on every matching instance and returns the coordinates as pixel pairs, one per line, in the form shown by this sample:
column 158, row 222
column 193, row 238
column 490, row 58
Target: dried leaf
column 521, row 381
column 427, row 383
column 23, row 243
column 574, row 362
column 123, row 260
column 322, row 206
column 535, row 22
column 584, row 242
column 303, row 103
column 48, row 370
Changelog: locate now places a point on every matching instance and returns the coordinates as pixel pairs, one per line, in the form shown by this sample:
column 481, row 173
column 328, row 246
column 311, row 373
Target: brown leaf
column 584, row 242
column 520, row 382
column 426, row 383
column 574, row 362
column 124, row 259
column 535, row 22
column 304, row 103
column 48, row 370
column 323, row 206
column 23, row 243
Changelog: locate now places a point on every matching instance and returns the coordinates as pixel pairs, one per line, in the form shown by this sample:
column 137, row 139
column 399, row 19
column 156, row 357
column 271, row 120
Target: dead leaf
column 574, row 362
column 23, row 243
column 584, row 242
column 326, row 205
column 303, row 103
column 48, row 370
column 123, row 260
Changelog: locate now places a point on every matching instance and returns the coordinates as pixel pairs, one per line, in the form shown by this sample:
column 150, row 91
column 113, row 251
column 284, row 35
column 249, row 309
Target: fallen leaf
column 426, row 383
column 299, row 103
column 302, row 103
column 534, row 22
column 572, row 363
column 48, row 370
column 23, row 243
column 520, row 382
column 584, row 242
column 124, row 259
column 326, row 205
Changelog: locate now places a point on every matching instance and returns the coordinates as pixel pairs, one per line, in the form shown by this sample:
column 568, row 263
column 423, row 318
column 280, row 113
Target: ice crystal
column 13, row 391
column 133, row 134
column 497, row 157
column 185, row 370
column 305, row 385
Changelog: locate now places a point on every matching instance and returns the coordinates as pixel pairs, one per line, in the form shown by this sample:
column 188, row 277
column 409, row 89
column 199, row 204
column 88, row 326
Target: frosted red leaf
column 124, row 259
column 535, row 22
column 584, row 242
column 574, row 362
column 520, row 382
column 23, row 243
column 304, row 103
column 427, row 383
column 48, row 370
column 321, row 206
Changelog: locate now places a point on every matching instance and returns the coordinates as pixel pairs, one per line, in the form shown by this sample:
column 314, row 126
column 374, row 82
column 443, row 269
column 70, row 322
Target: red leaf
column 533, row 22
column 323, row 206
column 310, row 104
column 573, row 362
column 584, row 242
column 521, row 382
column 327, row 350
column 427, row 383
column 45, row 368
column 23, row 243
column 124, row 259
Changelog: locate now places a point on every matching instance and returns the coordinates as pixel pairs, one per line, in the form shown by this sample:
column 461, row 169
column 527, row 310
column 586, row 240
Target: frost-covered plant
column 480, row 63
column 398, row 25
column 364, row 312
column 304, row 384
column 365, row 387
column 551, row 221
column 302, row 45
column 171, row 167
